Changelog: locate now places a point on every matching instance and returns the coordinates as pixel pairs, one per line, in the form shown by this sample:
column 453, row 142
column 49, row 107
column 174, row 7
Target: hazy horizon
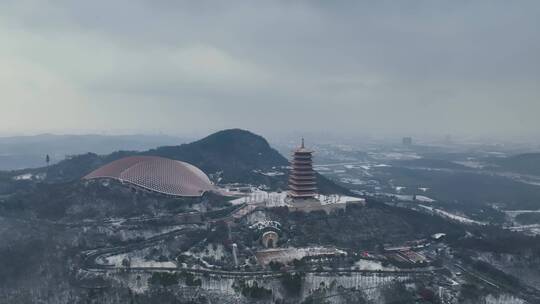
column 291, row 138
column 420, row 68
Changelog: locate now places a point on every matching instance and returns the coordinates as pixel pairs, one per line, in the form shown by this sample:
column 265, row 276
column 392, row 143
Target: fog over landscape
column 465, row 68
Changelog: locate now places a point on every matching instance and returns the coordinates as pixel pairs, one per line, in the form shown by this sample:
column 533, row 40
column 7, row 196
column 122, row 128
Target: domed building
column 157, row 174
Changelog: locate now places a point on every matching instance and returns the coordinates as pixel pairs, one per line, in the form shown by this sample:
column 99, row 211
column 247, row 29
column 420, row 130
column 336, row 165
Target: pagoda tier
column 296, row 184
column 302, row 183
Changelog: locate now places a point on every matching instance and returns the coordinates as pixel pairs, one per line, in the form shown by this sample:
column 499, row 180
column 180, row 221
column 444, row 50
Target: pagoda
column 302, row 183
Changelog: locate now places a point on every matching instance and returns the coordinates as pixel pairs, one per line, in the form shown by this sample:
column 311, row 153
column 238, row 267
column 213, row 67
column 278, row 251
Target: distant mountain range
column 21, row 152
column 229, row 156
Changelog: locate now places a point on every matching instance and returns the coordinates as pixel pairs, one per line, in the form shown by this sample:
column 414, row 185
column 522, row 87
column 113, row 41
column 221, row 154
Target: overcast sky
column 378, row 67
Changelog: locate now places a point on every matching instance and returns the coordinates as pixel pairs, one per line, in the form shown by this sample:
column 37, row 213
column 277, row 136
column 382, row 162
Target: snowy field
column 286, row 255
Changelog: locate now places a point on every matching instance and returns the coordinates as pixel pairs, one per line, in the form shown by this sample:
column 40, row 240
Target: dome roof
column 157, row 174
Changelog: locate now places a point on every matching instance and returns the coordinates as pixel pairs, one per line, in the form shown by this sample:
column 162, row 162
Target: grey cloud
column 461, row 67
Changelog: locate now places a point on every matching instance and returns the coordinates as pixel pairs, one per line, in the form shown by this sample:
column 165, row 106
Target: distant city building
column 302, row 184
column 407, row 141
column 448, row 139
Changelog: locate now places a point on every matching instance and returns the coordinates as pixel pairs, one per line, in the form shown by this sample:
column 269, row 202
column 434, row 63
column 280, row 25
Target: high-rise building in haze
column 407, row 141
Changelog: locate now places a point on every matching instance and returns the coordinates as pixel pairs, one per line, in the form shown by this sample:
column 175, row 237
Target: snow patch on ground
column 470, row 164
column 373, row 265
column 424, row 199
column 514, row 213
column 528, row 229
column 210, row 252
column 503, row 299
column 399, row 188
column 523, row 266
column 260, row 196
column 455, row 217
column 270, row 173
column 135, row 262
column 353, row 181
column 321, row 168
column 257, row 216
column 338, row 199
column 26, row 176
column 410, row 198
